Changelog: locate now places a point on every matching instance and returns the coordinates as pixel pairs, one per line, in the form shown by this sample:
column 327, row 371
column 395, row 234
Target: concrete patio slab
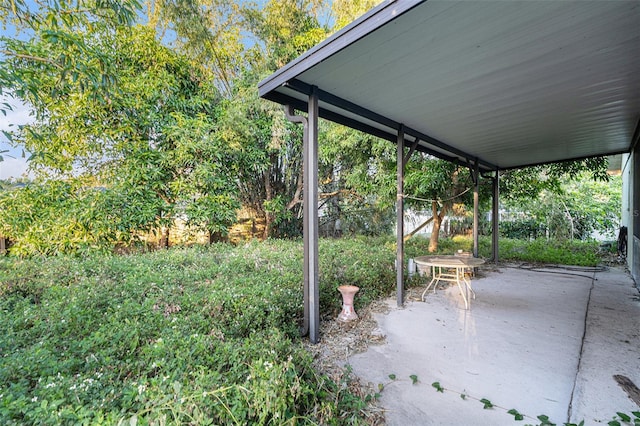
column 540, row 342
column 611, row 347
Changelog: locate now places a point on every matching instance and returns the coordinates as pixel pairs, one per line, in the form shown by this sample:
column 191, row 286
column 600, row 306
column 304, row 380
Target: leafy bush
column 523, row 229
column 561, row 252
column 199, row 335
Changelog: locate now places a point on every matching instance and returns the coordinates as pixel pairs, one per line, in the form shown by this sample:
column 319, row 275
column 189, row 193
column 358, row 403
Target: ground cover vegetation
column 199, row 335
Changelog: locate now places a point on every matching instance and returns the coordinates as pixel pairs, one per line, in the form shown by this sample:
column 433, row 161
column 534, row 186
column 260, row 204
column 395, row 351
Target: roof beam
column 343, row 104
column 357, row 125
column 564, row 161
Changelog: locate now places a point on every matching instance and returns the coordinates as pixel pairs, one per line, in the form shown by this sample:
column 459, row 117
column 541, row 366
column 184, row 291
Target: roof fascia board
column 369, row 22
column 332, row 116
column 358, row 125
column 635, row 139
column 374, row 131
column 563, row 161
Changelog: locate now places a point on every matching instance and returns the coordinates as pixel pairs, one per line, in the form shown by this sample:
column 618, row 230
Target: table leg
column 462, row 292
column 468, row 284
column 434, row 279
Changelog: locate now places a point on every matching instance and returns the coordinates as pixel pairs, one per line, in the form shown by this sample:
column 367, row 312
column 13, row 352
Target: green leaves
column 58, row 43
column 437, row 386
column 623, row 418
column 516, row 415
column 486, row 403
column 573, row 211
column 151, row 140
column 101, row 337
column 544, row 420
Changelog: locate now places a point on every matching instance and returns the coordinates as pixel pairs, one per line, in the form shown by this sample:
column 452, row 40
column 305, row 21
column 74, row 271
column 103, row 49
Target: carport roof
column 509, row 83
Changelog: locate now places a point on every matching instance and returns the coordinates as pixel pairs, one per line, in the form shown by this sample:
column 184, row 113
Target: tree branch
column 415, row 231
column 296, row 196
column 32, row 58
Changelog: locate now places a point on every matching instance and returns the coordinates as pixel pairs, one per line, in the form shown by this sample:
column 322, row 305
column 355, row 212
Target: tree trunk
column 164, row 237
column 415, row 231
column 216, row 237
column 299, row 187
column 568, row 214
column 268, row 216
column 437, row 222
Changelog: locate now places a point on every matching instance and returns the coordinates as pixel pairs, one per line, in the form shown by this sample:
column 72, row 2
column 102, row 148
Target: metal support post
column 311, row 321
column 311, row 217
column 476, row 208
column 495, row 217
column 400, row 219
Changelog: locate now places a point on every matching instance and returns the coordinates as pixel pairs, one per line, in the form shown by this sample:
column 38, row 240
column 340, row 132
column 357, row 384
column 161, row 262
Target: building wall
column 633, row 257
column 631, row 209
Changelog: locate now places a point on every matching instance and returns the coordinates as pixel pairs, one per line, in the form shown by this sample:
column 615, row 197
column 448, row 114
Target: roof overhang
column 505, row 83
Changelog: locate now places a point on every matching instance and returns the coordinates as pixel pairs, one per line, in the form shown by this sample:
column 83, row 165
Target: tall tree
column 285, row 29
column 270, row 178
column 49, row 42
column 526, row 183
column 357, row 185
column 346, row 11
column 241, row 42
column 577, row 208
column 212, row 32
column 152, row 136
column 440, row 185
column 269, row 159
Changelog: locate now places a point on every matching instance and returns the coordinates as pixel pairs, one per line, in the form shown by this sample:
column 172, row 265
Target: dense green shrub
column 560, row 252
column 541, row 250
column 185, row 335
column 523, row 229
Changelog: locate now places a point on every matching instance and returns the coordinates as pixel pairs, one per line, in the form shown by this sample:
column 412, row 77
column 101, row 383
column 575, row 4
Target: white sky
column 12, row 167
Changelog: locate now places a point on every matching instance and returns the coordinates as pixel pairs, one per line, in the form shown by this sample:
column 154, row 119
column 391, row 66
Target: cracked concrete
column 523, row 345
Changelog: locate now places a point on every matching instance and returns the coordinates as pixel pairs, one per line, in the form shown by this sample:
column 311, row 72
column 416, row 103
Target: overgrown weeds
column 195, row 336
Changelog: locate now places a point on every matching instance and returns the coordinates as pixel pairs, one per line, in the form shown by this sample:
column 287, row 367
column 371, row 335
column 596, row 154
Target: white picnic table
column 451, row 269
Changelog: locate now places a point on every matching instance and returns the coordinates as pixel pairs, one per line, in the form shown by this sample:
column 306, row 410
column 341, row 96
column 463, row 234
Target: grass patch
column 204, row 335
column 565, row 252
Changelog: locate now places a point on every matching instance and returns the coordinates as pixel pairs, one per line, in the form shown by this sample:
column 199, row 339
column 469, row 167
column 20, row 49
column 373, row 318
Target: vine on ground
column 618, row 420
